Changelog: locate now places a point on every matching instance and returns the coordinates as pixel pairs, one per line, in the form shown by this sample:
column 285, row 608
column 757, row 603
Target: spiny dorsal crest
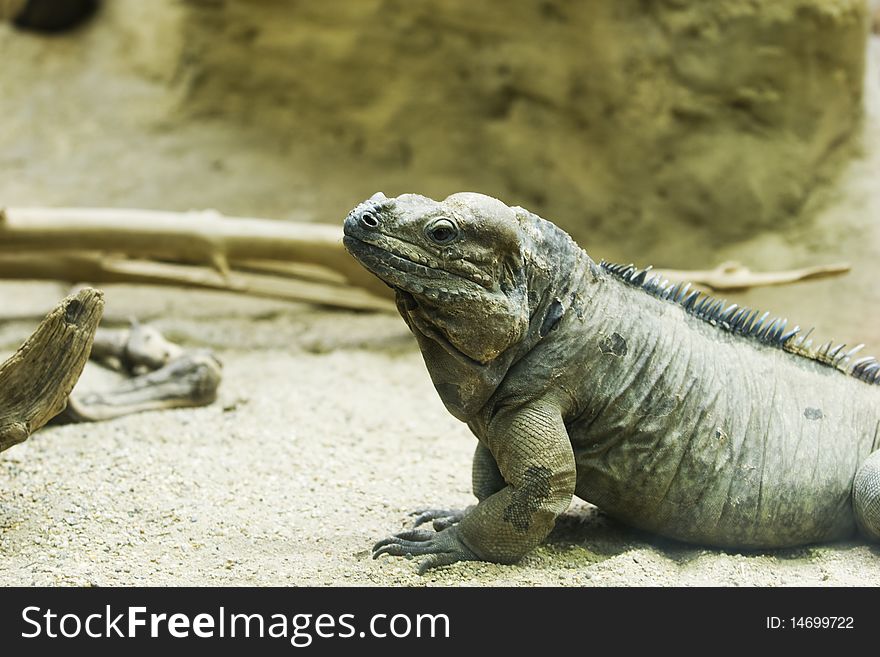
column 749, row 323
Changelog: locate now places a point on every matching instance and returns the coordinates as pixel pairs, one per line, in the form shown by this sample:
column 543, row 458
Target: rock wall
column 660, row 128
column 626, row 121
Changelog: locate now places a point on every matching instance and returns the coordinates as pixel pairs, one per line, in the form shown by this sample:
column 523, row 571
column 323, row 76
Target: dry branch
column 163, row 375
column 205, row 238
column 190, row 379
column 732, row 276
column 261, row 257
column 98, row 268
column 137, row 349
column 36, row 381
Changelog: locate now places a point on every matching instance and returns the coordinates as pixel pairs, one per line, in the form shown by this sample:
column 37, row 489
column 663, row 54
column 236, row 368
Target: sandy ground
column 327, row 432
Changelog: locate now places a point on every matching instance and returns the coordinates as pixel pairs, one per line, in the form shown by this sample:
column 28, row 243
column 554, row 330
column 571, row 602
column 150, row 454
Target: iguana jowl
column 670, row 411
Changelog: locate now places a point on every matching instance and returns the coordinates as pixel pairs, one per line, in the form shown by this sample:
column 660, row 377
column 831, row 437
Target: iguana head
column 456, row 265
column 462, row 269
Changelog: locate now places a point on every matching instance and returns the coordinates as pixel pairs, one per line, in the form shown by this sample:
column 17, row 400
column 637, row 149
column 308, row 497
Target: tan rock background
column 677, row 132
column 623, row 120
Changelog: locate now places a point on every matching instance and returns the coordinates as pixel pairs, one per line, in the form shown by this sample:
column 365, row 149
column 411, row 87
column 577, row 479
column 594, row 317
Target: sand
column 327, row 433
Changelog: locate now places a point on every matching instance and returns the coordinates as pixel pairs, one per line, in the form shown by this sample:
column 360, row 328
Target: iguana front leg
column 486, row 480
column 533, row 454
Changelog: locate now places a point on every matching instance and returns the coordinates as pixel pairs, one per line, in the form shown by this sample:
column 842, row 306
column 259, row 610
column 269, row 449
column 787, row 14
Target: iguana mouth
column 407, row 278
column 387, row 257
column 396, row 270
column 403, row 273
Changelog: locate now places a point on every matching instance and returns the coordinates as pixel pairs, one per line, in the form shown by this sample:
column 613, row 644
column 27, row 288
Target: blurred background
column 678, row 133
column 674, row 132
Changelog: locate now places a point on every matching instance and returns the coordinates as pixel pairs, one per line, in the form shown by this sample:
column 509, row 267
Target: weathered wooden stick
column 98, row 268
column 36, row 381
column 137, row 349
column 190, row 379
column 188, row 237
column 732, row 276
column 164, row 376
column 296, row 261
column 298, row 270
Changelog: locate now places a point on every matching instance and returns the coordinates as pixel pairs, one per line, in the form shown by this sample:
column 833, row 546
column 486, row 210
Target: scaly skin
column 576, row 383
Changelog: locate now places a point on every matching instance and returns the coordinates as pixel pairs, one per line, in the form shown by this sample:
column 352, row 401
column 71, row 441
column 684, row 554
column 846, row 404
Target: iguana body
column 677, row 415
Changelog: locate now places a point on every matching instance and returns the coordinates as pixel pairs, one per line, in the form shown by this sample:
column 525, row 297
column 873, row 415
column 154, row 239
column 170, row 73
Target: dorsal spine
column 749, row 323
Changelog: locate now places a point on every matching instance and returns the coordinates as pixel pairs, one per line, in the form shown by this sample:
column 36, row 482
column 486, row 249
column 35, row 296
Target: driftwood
column 189, row 380
column 164, row 376
column 309, row 285
column 135, row 350
column 35, row 381
column 224, row 244
column 734, row 277
column 285, row 260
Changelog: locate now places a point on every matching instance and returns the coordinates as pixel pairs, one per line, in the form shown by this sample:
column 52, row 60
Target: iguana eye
column 442, row 231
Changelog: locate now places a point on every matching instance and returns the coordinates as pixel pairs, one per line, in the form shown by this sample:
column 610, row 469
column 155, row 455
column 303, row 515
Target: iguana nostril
column 369, row 220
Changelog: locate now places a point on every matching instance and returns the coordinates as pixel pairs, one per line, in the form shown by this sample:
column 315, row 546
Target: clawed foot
column 442, row 548
column 440, row 518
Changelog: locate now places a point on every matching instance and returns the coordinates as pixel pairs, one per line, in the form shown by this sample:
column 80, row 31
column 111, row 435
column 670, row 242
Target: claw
column 441, row 518
column 405, row 549
column 442, row 547
column 444, row 523
column 411, row 536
